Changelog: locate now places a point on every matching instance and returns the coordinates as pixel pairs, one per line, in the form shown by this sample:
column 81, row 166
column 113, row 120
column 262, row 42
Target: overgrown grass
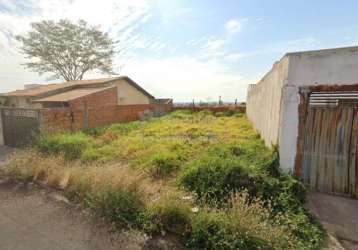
column 245, row 224
column 206, row 178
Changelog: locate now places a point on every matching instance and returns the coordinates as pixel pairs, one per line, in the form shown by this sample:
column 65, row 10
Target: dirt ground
column 36, row 218
column 339, row 216
column 40, row 218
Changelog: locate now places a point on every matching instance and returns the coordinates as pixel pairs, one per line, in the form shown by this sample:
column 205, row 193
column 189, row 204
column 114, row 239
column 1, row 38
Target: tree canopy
column 67, row 50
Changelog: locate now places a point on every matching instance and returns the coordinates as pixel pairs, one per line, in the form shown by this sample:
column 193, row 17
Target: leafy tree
column 67, row 50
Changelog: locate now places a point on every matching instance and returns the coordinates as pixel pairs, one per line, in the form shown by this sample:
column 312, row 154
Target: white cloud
column 236, row 56
column 233, row 26
column 186, row 78
column 118, row 17
column 183, row 77
column 214, row 44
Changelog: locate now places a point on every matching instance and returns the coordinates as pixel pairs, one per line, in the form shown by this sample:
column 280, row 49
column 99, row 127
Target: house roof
column 45, row 88
column 71, row 94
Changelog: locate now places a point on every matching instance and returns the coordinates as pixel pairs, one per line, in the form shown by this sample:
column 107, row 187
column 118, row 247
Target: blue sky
column 187, row 49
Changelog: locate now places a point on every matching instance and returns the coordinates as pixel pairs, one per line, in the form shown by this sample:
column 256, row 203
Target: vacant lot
column 205, row 179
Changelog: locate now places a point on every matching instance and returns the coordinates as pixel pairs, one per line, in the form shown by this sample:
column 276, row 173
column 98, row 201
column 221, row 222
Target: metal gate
column 19, row 126
column 330, row 148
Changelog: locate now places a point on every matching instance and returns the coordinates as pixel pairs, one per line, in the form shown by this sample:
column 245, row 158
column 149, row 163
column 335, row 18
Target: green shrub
column 213, row 230
column 164, row 163
column 245, row 225
column 306, row 228
column 169, row 214
column 222, row 173
column 71, row 145
column 121, row 206
column 214, row 179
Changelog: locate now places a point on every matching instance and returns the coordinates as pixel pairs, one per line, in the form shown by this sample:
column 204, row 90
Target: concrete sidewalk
column 339, row 216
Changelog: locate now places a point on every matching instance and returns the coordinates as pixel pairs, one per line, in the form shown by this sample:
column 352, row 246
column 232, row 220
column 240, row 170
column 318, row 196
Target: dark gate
column 20, row 126
column 330, row 144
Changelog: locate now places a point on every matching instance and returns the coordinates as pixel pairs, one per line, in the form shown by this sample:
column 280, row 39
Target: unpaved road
column 37, row 219
column 34, row 220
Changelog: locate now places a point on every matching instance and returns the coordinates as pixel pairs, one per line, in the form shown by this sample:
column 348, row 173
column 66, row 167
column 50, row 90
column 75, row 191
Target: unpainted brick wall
column 223, row 108
column 97, row 110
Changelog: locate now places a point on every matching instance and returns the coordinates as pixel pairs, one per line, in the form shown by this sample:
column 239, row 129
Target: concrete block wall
column 263, row 106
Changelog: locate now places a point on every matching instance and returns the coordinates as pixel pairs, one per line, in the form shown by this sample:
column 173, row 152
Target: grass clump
column 71, row 145
column 170, row 214
column 227, row 169
column 164, row 163
column 121, row 206
column 245, row 224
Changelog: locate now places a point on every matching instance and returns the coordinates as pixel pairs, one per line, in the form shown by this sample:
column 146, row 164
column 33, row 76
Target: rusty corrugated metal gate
column 19, row 126
column 330, row 142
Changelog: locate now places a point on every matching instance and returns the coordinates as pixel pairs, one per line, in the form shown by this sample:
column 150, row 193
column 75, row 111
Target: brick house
column 75, row 105
column 59, row 95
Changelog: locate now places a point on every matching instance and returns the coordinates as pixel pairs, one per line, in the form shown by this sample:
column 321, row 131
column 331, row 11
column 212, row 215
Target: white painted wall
column 263, row 106
column 129, row 95
column 272, row 104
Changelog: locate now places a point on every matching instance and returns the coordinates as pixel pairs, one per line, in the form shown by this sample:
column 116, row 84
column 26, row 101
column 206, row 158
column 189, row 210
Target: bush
column 120, row 206
column 242, row 226
column 169, row 214
column 306, row 228
column 222, row 173
column 71, row 145
column 164, row 163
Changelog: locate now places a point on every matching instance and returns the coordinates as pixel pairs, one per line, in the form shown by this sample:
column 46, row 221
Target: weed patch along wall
column 206, row 178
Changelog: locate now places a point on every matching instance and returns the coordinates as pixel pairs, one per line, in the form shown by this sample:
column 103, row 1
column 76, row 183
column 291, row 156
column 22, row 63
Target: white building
column 307, row 105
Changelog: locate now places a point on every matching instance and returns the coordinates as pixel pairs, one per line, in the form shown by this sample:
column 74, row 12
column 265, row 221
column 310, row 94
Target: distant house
column 74, row 105
column 307, row 105
column 61, row 94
